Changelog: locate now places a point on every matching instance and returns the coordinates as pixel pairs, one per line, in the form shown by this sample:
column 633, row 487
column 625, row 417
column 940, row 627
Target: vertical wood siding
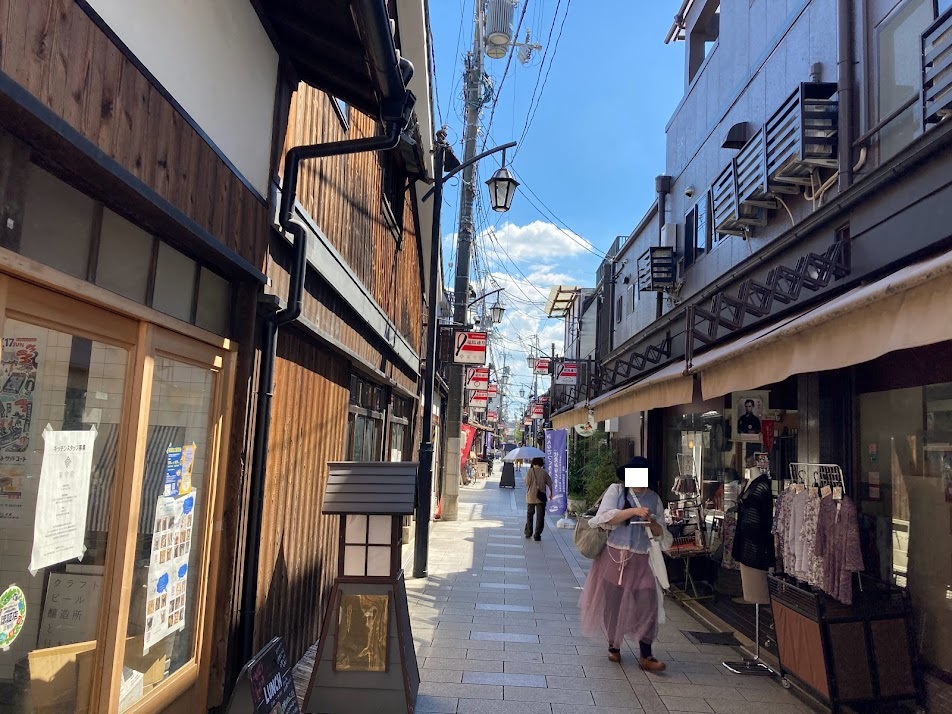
column 298, row 544
column 343, row 195
column 57, row 53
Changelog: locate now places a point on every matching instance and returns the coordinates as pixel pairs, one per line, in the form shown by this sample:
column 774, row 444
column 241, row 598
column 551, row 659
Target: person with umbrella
column 537, row 481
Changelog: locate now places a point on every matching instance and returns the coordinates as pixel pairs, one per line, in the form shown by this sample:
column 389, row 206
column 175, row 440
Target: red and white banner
column 541, row 366
column 566, row 373
column 469, row 348
column 538, row 411
column 477, row 377
column 478, row 399
column 493, row 389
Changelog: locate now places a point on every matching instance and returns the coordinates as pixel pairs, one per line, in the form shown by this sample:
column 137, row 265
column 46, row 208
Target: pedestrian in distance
column 537, row 481
column 623, row 596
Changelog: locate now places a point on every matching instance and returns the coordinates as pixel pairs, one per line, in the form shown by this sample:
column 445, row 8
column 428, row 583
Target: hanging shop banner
column 168, row 567
column 541, row 366
column 566, row 373
column 469, row 347
column 493, row 390
column 492, row 416
column 538, row 411
column 62, row 500
column 467, row 435
column 477, row 377
column 556, row 461
column 479, row 399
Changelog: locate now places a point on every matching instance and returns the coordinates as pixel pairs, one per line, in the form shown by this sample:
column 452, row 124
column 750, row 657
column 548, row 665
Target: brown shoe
column 650, row 664
column 614, row 655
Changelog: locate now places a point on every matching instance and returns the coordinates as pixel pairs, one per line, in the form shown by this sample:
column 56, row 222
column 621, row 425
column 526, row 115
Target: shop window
column 61, row 396
column 174, row 283
column 57, row 223
column 365, row 420
column 400, row 412
column 342, row 110
column 174, row 499
column 905, row 494
column 124, row 259
column 214, row 297
column 899, row 57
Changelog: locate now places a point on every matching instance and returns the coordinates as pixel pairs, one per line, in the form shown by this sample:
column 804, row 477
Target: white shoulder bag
column 655, row 556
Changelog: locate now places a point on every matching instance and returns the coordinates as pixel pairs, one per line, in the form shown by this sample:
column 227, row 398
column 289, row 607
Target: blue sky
column 589, row 158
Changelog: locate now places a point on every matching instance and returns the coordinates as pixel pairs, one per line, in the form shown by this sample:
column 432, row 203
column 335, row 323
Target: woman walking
column 537, row 481
column 622, row 597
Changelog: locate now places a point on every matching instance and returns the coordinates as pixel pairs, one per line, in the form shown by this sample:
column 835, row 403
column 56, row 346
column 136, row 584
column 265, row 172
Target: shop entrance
column 110, row 432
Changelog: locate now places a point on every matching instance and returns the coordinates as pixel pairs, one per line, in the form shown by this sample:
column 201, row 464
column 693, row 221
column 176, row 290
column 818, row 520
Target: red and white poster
column 541, row 366
column 467, row 435
column 566, row 373
column 477, row 377
column 469, row 348
column 479, row 399
column 538, row 411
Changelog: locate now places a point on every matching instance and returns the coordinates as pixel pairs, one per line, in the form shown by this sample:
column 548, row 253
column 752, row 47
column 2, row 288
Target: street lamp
column 496, row 311
column 502, row 187
column 522, row 392
column 499, row 188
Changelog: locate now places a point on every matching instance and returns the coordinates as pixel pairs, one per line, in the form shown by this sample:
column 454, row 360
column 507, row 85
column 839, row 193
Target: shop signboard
column 477, row 377
column 566, row 373
column 538, row 411
column 492, row 416
column 479, row 399
column 265, row 684
column 469, row 347
column 541, row 366
column 493, row 390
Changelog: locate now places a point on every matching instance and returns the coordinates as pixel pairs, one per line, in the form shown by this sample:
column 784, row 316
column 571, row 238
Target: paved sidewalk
column 496, row 630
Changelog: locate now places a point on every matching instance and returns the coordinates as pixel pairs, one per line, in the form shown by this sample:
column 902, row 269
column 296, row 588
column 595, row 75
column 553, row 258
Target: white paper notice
column 63, row 497
column 168, row 567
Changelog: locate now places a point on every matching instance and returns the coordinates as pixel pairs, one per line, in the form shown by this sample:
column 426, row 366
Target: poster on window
column 749, row 410
column 59, row 527
column 179, row 463
column 70, row 609
column 19, row 362
column 168, row 567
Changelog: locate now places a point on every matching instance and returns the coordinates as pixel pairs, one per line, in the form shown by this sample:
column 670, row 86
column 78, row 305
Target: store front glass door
column 61, row 412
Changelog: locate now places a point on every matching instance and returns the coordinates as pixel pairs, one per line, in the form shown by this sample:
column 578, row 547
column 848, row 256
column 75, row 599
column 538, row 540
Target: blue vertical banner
column 556, row 458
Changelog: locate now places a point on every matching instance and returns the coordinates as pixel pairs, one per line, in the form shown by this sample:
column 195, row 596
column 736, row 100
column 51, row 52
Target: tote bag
column 590, row 541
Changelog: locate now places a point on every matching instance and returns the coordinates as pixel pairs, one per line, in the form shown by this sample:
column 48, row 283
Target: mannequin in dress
column 753, row 542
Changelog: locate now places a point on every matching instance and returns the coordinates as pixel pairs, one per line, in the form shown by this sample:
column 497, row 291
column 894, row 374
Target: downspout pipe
column 846, row 74
column 663, row 188
column 392, row 74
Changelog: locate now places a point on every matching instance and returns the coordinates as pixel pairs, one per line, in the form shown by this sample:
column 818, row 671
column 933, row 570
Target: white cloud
column 539, row 240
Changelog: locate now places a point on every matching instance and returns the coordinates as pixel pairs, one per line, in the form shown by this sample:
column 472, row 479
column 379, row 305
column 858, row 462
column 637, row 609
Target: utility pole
column 474, row 97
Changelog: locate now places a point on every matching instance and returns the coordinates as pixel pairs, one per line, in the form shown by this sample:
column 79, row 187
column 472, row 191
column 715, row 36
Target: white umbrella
column 524, row 453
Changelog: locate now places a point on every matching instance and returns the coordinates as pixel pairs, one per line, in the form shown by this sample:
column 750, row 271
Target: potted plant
column 591, row 469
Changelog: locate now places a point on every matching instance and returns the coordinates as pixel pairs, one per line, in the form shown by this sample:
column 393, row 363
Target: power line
column 545, row 53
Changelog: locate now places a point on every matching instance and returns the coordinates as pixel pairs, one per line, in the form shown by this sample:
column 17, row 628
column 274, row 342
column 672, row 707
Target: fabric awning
column 664, row 388
column 908, row 308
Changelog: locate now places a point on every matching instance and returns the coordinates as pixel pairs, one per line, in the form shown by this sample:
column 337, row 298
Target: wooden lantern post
column 365, row 656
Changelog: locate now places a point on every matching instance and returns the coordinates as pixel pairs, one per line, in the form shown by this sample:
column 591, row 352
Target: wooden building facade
column 140, row 165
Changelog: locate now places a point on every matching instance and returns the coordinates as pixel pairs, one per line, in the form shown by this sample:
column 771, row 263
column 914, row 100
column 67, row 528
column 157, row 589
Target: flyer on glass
column 168, row 567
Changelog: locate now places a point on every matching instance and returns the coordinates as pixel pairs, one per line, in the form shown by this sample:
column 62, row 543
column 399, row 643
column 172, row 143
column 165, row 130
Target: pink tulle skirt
column 615, row 611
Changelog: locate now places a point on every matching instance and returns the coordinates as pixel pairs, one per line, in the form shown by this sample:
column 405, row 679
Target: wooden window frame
column 37, row 294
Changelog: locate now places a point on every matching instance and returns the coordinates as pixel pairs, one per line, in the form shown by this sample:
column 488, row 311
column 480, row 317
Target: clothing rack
column 818, row 474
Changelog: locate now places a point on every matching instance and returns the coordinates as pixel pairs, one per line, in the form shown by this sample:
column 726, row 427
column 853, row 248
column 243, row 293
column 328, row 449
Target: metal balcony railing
column 802, row 136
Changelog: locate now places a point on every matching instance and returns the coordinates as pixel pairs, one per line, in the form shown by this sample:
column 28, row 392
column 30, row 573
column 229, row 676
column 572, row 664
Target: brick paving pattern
column 496, row 627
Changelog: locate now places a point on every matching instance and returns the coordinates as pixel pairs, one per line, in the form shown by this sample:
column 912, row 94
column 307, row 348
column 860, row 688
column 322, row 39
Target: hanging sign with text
column 538, row 411
column 492, row 416
column 566, row 373
column 477, row 377
column 493, row 390
column 469, row 347
column 479, row 399
column 541, row 366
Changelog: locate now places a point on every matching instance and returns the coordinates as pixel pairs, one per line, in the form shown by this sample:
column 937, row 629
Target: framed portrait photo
column 749, row 410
